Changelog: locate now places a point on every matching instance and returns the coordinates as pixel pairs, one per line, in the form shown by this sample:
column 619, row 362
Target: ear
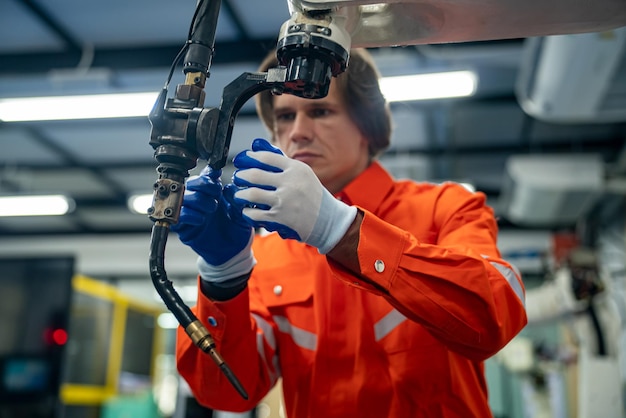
column 365, row 146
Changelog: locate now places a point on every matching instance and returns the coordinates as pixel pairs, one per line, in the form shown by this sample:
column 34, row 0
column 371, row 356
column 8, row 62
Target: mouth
column 305, row 157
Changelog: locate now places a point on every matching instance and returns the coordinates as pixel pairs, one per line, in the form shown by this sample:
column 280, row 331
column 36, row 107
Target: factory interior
column 542, row 133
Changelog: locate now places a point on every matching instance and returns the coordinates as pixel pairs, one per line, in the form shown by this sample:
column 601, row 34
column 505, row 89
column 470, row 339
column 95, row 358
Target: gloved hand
column 215, row 229
column 284, row 195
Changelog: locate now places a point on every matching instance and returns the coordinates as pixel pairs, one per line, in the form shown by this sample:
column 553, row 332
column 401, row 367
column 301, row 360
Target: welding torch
column 184, row 131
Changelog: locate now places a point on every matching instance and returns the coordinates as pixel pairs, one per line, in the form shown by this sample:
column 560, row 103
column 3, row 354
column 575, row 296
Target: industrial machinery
column 35, row 307
column 313, row 46
column 556, row 71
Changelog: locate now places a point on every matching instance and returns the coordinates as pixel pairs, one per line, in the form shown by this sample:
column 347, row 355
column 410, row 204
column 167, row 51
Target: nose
column 302, row 128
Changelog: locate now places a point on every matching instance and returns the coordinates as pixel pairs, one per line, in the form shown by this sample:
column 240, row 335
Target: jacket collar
column 368, row 189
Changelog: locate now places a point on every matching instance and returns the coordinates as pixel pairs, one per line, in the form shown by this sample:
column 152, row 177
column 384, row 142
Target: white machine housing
column 551, row 190
column 577, row 78
column 410, row 22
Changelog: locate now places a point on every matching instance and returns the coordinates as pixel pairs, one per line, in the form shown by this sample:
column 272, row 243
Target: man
column 372, row 297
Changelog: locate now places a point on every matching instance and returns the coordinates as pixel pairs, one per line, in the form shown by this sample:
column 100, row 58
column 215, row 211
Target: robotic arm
column 372, row 23
column 314, row 43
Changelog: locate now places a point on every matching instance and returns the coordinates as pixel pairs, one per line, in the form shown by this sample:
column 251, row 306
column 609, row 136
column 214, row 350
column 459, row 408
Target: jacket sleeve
column 457, row 285
column 243, row 348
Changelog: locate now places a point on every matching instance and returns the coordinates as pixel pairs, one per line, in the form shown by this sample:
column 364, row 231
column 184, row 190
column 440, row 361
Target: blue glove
column 284, row 195
column 214, row 228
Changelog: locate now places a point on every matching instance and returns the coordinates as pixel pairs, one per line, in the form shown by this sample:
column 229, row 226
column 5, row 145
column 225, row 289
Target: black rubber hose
column 161, row 283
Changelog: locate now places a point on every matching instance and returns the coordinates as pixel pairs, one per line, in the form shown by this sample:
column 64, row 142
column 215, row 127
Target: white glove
column 284, row 195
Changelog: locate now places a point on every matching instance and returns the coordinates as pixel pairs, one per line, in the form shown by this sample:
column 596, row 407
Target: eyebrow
column 315, row 104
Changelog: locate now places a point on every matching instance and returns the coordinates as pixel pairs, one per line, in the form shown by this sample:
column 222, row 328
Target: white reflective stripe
column 260, row 347
column 267, row 335
column 387, row 324
column 301, row 337
column 511, row 278
column 519, row 273
column 267, row 330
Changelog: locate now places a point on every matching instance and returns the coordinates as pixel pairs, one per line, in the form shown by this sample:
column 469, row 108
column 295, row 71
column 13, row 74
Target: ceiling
column 77, row 47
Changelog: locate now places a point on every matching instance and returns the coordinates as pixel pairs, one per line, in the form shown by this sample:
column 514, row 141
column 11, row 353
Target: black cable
column 597, row 327
column 182, row 51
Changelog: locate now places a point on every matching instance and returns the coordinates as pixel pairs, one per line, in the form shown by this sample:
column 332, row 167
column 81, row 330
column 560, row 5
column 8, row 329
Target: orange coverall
column 405, row 338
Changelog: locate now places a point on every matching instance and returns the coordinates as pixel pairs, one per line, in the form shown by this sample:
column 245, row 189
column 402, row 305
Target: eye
column 320, row 112
column 284, row 117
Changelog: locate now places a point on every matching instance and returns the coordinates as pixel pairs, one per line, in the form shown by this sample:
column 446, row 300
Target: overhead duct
column 550, row 191
column 574, row 78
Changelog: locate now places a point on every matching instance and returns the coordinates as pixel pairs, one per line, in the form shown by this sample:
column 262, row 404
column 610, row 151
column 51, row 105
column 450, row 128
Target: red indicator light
column 55, row 336
column 59, row 336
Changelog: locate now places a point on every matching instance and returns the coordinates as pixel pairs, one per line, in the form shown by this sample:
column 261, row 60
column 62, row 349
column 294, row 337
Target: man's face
column 321, row 134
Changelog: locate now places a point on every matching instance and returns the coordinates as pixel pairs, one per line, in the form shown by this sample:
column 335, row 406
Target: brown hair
column 359, row 89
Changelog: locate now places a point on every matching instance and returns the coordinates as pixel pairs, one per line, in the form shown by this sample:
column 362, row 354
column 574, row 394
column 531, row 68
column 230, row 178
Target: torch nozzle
column 203, row 340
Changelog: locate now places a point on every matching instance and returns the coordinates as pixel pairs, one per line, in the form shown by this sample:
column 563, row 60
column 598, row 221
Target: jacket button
column 278, row 290
column 379, row 265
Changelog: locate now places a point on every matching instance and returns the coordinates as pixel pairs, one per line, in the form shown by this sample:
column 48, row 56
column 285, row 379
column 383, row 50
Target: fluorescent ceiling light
column 139, row 203
column 167, row 321
column 429, row 86
column 50, row 205
column 94, row 106
column 122, row 105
